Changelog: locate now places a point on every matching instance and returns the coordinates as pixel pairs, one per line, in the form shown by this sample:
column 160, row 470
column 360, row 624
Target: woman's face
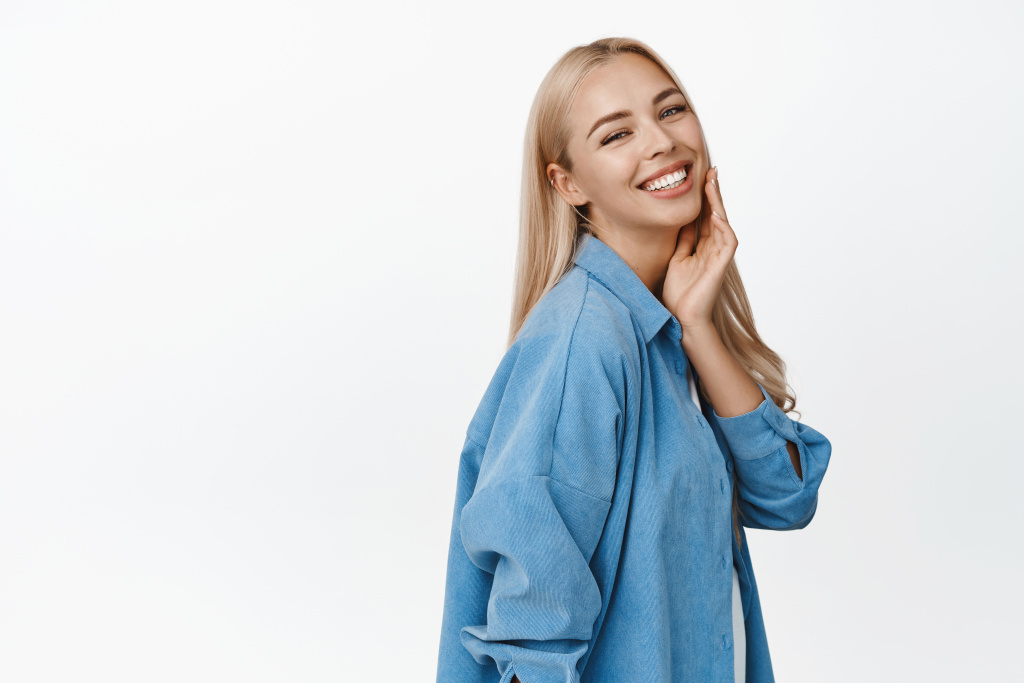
column 629, row 123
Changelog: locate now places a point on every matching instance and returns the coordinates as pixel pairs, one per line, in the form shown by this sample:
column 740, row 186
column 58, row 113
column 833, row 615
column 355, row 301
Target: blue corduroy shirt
column 592, row 536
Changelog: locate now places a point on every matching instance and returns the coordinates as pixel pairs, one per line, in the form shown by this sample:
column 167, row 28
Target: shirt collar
column 608, row 268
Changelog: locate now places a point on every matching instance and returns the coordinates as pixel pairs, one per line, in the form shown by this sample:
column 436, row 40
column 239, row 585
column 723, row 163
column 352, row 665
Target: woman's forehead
column 627, row 81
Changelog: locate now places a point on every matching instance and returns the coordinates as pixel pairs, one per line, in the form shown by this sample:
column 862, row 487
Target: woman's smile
column 670, row 185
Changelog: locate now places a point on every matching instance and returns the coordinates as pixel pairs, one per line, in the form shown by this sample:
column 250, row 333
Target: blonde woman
column 637, row 422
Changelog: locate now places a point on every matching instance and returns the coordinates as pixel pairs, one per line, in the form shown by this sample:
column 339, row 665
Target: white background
column 255, row 274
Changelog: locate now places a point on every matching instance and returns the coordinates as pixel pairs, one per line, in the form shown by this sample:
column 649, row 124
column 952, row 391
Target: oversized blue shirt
column 592, row 537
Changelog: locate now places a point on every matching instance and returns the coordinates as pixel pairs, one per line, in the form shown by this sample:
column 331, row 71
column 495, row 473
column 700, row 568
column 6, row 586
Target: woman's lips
column 671, row 168
column 675, row 191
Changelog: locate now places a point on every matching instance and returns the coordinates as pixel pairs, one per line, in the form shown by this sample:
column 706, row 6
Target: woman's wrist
column 699, row 335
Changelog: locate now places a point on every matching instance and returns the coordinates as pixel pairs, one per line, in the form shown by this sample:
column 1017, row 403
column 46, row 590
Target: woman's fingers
column 728, row 236
column 718, row 217
column 685, row 239
column 715, row 193
column 717, row 240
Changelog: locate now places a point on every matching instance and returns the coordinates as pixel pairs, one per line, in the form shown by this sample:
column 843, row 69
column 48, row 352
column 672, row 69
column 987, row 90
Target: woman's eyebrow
column 615, row 116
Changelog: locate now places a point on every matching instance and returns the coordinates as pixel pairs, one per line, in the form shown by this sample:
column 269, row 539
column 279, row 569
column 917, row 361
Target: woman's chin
column 680, row 217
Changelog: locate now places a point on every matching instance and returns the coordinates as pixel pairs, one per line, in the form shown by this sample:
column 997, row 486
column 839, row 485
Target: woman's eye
column 671, row 110
column 613, row 137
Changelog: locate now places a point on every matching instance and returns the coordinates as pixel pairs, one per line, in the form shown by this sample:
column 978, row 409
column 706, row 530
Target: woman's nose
column 658, row 140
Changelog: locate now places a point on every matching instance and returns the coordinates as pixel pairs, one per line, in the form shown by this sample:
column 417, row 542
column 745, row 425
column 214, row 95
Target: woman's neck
column 646, row 252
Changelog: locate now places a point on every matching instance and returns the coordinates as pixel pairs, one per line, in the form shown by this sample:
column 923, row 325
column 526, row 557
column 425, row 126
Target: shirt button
column 721, row 484
column 726, row 641
column 724, row 561
column 728, row 465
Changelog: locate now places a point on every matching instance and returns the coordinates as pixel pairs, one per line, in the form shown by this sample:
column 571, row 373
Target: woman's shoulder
column 579, row 312
column 577, row 338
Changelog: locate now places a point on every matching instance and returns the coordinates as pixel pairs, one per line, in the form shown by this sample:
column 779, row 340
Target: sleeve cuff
column 758, row 433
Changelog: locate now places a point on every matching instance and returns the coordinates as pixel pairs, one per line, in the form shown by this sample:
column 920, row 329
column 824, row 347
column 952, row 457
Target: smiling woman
column 651, row 148
column 636, row 423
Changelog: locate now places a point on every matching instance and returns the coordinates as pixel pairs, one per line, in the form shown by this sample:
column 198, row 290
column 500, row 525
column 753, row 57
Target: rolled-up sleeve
column 772, row 496
column 537, row 513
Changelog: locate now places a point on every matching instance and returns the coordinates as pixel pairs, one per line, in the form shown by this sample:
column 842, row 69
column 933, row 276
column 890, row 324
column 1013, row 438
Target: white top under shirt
column 738, row 633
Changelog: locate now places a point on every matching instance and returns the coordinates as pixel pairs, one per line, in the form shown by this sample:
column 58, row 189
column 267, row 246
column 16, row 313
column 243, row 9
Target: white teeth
column 666, row 181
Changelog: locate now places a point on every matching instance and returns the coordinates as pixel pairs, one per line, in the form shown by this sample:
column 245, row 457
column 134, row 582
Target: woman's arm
column 549, row 445
column 779, row 462
column 730, row 388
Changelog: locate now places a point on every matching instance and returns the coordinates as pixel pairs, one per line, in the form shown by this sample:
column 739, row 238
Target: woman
column 636, row 422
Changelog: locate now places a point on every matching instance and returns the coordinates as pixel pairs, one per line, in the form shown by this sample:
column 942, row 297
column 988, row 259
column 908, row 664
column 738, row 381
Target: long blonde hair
column 550, row 229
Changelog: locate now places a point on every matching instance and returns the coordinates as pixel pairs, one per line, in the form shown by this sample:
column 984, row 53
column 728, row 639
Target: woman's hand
column 695, row 277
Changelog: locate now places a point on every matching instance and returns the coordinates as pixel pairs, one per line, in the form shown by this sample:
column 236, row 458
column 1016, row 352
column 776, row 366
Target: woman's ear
column 564, row 184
